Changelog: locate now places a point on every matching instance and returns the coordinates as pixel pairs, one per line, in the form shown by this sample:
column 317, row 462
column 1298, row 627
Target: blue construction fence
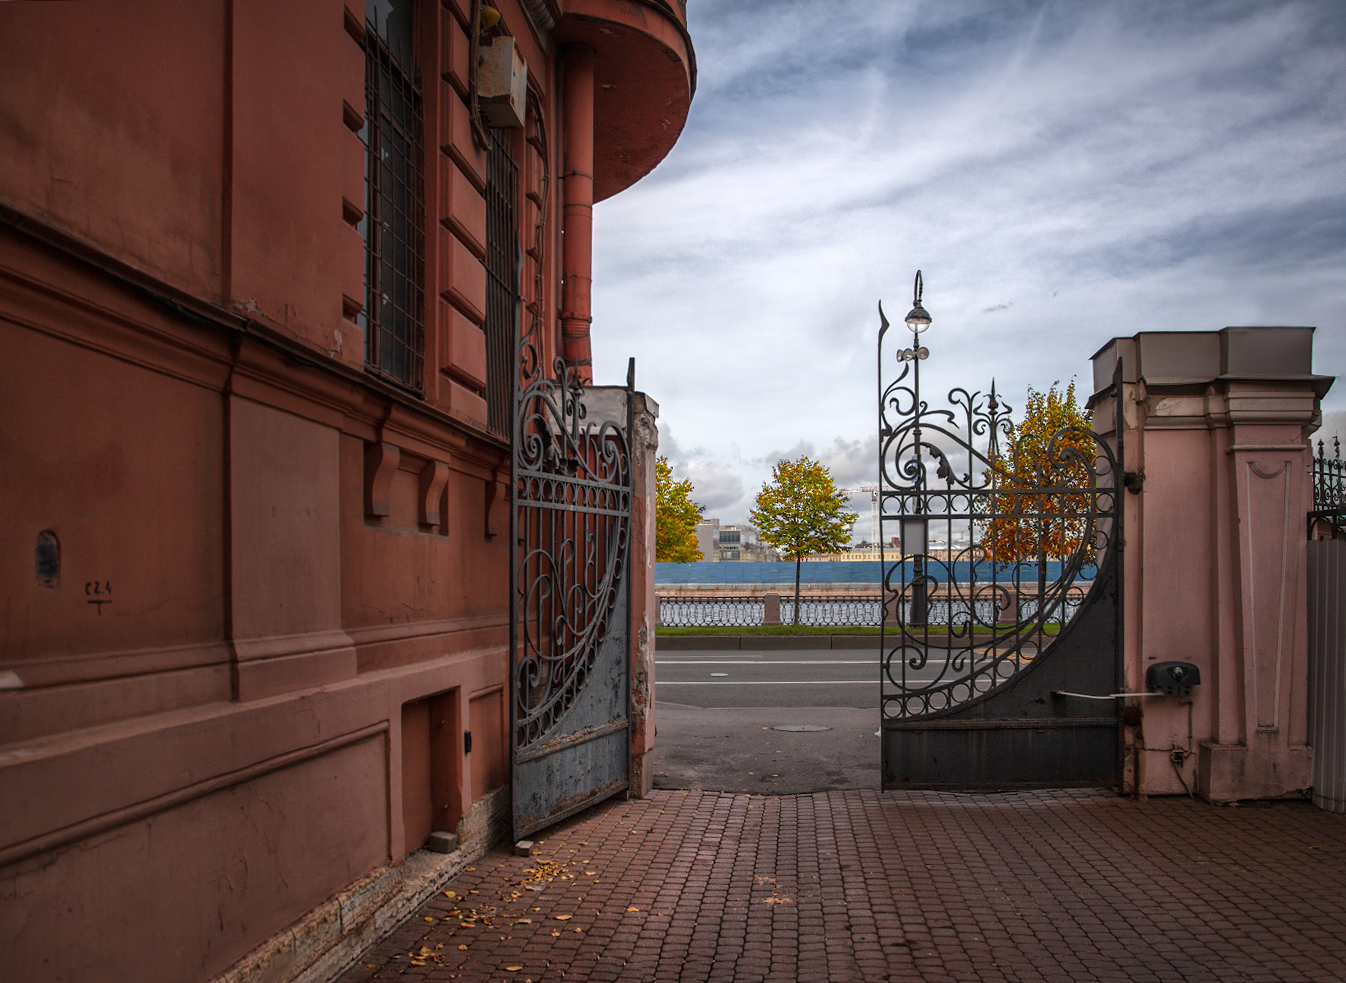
column 848, row 572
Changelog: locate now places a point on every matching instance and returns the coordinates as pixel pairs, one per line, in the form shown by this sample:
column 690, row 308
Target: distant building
column 708, row 538
column 854, row 554
column 732, row 543
column 866, row 551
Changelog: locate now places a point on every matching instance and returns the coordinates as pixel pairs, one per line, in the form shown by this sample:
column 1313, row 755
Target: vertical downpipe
column 578, row 213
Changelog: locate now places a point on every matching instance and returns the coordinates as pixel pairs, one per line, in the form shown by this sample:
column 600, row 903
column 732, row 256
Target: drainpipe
column 578, row 217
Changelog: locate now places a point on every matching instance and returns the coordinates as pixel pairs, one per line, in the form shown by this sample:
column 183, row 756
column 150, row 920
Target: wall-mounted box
column 502, row 82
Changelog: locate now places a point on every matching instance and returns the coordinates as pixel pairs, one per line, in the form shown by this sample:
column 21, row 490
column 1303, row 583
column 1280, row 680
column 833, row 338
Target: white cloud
column 1063, row 173
column 1332, row 433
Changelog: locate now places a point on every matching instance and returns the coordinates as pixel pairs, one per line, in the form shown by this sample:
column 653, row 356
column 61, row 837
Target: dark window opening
column 502, row 278
column 394, row 313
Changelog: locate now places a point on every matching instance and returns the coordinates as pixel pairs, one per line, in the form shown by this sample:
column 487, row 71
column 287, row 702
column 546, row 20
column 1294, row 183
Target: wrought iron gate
column 1004, row 595
column 569, row 624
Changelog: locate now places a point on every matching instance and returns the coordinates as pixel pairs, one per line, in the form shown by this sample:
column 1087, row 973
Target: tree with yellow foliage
column 1041, row 503
column 675, row 517
column 801, row 512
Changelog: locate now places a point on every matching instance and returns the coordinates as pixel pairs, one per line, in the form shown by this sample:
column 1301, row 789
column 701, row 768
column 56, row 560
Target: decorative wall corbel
column 434, row 479
column 497, row 500
column 381, row 460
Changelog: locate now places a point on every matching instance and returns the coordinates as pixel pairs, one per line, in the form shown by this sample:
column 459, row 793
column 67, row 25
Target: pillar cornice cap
column 1170, row 360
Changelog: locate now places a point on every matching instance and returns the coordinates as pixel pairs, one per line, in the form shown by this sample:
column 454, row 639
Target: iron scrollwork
column 1013, row 538
column 572, row 488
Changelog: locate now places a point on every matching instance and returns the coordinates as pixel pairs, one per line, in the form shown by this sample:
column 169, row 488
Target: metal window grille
column 502, row 278
column 394, row 314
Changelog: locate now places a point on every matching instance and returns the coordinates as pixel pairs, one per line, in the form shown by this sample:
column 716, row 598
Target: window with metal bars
column 502, row 278
column 394, row 313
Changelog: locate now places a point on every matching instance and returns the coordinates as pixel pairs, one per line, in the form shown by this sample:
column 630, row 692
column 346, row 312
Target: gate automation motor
column 1173, row 678
column 1163, row 678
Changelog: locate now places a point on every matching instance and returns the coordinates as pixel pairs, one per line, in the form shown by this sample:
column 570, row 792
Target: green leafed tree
column 800, row 512
column 675, row 517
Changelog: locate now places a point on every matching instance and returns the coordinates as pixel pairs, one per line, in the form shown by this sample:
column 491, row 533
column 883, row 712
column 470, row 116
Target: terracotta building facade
column 261, row 269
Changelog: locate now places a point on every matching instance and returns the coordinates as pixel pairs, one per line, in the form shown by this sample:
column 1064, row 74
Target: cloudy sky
column 1063, row 172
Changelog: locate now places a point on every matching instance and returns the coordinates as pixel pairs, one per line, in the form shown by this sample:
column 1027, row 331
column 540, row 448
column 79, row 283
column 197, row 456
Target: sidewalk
column 859, row 885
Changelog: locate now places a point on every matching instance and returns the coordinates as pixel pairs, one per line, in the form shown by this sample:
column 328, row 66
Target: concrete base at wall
column 329, row 939
column 1234, row 772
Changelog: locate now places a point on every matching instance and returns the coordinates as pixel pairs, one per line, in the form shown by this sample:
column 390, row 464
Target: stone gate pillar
column 644, row 602
column 1217, row 458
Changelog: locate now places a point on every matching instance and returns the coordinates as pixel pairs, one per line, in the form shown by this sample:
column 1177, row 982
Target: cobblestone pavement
column 860, row 885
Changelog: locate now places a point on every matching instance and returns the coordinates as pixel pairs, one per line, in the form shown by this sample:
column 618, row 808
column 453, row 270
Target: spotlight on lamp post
column 918, row 319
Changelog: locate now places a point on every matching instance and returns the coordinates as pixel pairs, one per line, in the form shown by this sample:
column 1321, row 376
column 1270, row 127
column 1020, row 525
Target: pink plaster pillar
column 1216, row 553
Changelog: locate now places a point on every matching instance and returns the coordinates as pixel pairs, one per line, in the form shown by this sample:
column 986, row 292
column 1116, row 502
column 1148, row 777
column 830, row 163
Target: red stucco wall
column 202, row 726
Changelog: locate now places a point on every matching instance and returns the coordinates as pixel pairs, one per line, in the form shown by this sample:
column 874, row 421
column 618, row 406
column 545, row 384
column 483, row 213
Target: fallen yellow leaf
column 513, row 969
column 524, row 921
column 462, row 947
column 428, row 918
column 563, row 918
column 632, row 909
column 450, row 894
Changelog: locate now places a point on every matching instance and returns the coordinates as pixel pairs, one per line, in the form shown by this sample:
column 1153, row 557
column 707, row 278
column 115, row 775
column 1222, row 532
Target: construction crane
column 873, row 492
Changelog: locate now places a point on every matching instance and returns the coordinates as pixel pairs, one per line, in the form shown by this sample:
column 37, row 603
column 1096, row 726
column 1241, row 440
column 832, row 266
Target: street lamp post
column 917, row 527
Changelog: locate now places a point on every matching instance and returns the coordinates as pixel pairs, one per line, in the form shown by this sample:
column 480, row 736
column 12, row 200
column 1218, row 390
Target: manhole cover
column 719, row 673
column 801, row 728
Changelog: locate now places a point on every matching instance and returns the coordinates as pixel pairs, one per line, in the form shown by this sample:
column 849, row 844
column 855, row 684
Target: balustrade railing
column 711, row 612
column 832, row 611
column 839, row 610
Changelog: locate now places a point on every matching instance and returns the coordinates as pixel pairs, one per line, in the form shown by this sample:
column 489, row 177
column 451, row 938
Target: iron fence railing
column 1329, row 485
column 844, row 610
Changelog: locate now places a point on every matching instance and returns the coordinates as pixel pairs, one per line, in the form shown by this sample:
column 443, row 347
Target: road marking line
column 765, row 682
column 756, row 662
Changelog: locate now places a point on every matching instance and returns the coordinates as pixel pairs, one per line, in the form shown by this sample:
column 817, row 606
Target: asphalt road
column 822, row 678
column 716, row 714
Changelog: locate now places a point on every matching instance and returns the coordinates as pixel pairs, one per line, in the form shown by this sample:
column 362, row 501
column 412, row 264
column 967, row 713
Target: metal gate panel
column 1002, row 645
column 569, row 624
